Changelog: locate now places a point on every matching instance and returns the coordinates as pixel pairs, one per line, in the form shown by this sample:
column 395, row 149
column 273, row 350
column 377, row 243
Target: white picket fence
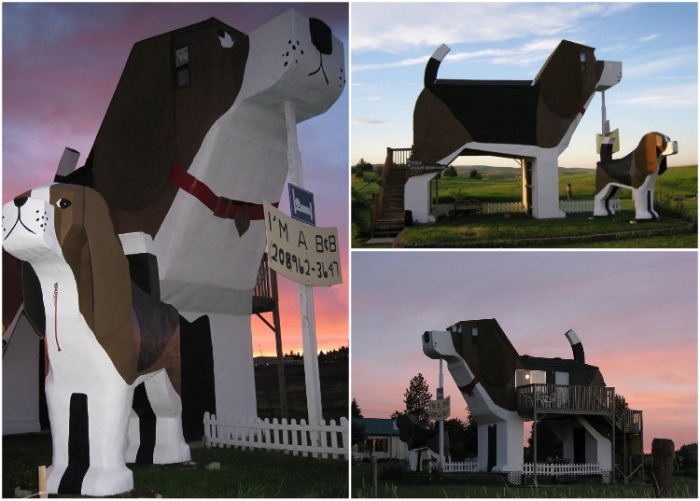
column 469, row 465
column 502, row 208
column 580, row 206
column 568, row 206
column 563, row 469
column 325, row 440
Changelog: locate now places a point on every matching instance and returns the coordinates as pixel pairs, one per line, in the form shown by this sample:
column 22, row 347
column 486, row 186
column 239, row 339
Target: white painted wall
column 20, row 380
column 417, row 197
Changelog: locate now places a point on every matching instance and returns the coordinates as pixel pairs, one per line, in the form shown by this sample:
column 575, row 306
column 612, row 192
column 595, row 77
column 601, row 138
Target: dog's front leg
column 644, row 200
column 602, row 206
column 88, row 427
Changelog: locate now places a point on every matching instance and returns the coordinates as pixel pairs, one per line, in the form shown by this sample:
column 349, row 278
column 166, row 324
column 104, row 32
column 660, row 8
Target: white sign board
column 302, row 253
column 439, row 409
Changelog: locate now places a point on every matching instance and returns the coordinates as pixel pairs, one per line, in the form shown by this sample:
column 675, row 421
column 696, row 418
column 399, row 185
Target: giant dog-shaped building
column 195, row 138
column 197, row 135
column 488, row 372
column 528, row 119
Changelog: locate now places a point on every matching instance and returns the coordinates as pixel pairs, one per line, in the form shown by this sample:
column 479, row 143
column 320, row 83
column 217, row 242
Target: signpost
column 308, row 239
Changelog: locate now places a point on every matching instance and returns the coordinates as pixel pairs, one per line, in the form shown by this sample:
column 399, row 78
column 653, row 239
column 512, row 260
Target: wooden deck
column 577, row 399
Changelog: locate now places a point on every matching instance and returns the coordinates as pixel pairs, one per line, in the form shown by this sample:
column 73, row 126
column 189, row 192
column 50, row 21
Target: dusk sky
column 61, row 65
column 656, row 42
column 635, row 313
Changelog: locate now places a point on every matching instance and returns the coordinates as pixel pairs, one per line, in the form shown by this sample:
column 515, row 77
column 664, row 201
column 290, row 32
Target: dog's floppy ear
column 567, row 78
column 497, row 358
column 646, row 154
column 135, row 146
column 109, row 268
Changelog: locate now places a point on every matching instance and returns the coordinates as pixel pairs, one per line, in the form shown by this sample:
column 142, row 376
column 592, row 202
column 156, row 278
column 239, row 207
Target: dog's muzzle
column 611, row 75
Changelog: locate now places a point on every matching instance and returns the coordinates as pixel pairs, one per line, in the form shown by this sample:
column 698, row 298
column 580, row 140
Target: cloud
column 669, row 96
column 377, row 27
column 368, row 121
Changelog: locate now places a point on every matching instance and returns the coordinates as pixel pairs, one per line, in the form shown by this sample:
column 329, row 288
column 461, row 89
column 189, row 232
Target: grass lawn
column 425, row 487
column 580, row 231
column 576, row 230
column 249, row 474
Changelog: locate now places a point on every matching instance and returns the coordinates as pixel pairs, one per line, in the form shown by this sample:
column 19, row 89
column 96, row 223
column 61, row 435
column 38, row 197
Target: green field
column 395, row 484
column 676, row 201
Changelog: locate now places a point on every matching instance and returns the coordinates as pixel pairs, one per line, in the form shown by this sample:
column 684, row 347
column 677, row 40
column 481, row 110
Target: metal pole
column 534, row 446
column 441, row 428
column 605, row 128
column 306, row 298
column 612, row 446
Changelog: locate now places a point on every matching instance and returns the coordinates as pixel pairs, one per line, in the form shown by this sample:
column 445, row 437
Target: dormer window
column 182, row 66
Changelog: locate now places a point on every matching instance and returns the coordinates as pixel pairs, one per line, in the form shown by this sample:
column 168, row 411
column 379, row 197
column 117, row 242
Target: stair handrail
column 389, row 163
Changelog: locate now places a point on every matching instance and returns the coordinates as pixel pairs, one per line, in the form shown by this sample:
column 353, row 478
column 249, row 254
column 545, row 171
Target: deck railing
column 565, row 398
column 628, row 420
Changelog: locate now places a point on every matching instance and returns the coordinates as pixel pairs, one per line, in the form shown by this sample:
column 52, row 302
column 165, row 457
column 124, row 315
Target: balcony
column 577, row 399
column 565, row 399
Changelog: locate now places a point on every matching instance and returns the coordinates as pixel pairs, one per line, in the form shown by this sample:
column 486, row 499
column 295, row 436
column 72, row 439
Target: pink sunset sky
column 61, row 64
column 636, row 314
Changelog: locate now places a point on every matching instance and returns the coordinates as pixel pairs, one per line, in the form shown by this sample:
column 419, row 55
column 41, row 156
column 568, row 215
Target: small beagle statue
column 637, row 171
column 114, row 351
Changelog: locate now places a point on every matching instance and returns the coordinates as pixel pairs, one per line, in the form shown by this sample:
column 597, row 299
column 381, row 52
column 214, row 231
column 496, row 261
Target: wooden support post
column 534, row 446
column 662, row 453
column 42, row 482
column 281, row 379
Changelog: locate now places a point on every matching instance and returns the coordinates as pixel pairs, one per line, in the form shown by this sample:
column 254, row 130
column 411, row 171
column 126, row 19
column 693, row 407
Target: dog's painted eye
column 63, row 203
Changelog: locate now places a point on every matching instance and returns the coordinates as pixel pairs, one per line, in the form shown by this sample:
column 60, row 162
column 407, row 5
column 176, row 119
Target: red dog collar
column 220, row 206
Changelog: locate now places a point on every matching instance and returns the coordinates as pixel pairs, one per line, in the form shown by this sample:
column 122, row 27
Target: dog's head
column 571, row 75
column 651, row 152
column 487, row 352
column 296, row 59
column 177, row 85
column 64, row 232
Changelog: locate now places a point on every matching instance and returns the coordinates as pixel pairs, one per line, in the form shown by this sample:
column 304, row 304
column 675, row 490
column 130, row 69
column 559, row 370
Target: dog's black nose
column 20, row 201
column 321, row 36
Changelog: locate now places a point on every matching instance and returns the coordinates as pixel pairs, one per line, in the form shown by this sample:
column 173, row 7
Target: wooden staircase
column 390, row 220
column 388, row 208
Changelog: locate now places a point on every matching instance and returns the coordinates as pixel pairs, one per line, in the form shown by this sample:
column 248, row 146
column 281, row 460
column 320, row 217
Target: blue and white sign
column 301, row 205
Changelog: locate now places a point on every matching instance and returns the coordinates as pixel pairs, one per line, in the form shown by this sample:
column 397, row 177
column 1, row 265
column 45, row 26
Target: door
column 579, row 445
column 562, row 394
column 492, row 449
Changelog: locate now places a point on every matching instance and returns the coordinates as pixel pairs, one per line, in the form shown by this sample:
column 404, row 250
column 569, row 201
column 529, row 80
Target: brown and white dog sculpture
column 637, row 171
column 530, row 119
column 197, row 135
column 105, row 341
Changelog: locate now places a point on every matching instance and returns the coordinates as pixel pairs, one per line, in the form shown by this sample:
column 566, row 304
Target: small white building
column 382, row 436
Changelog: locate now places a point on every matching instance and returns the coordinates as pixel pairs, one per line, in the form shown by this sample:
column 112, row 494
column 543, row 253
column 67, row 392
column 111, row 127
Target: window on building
column 582, row 59
column 380, row 444
column 182, row 66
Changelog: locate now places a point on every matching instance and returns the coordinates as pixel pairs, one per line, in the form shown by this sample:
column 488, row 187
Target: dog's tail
column 576, row 346
column 431, row 69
